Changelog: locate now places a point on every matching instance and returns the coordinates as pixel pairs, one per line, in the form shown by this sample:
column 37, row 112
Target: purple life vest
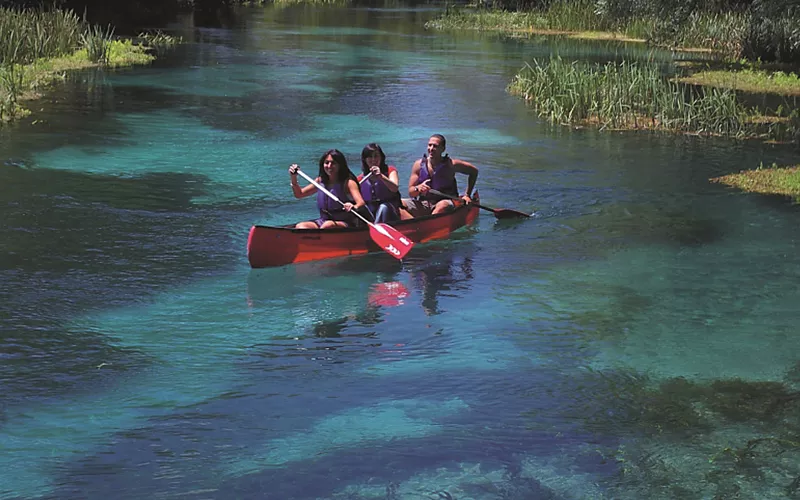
column 444, row 178
column 375, row 192
column 330, row 209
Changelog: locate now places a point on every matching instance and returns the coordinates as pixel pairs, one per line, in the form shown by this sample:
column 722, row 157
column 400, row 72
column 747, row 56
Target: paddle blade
column 390, row 240
column 507, row 213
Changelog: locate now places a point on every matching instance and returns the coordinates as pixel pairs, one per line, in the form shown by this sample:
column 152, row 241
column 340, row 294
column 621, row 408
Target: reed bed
column 560, row 15
column 331, row 3
column 724, row 34
column 628, row 95
column 33, row 34
column 38, row 45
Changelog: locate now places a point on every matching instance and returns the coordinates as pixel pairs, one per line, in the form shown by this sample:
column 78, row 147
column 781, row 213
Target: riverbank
column 39, row 47
column 34, row 78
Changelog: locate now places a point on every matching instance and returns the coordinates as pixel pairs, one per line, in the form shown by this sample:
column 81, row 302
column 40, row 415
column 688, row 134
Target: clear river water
column 633, row 339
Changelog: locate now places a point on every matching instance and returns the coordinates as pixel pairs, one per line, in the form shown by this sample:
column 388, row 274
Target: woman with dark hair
column 379, row 184
column 337, row 178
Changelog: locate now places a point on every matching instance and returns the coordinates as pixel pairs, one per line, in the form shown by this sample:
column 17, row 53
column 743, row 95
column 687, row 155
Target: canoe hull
column 270, row 246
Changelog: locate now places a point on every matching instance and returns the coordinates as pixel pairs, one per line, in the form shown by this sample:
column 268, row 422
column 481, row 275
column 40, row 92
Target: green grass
column 28, row 35
column 559, row 17
column 20, row 82
column 630, row 95
column 286, row 3
column 38, row 46
column 750, row 80
column 721, row 33
column 625, row 95
column 766, row 180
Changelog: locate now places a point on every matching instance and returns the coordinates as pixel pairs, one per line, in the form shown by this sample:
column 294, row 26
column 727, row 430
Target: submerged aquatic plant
column 726, row 438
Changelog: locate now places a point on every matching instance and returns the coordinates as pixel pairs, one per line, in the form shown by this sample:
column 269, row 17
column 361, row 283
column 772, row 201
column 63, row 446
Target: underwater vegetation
column 684, row 407
column 622, row 306
column 468, row 483
column 716, row 439
column 649, row 224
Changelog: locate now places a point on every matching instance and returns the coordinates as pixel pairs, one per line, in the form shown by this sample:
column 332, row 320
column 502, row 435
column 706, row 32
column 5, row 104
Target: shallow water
column 613, row 346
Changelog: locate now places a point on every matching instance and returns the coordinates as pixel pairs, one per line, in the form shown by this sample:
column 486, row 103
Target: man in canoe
column 336, row 177
column 437, row 171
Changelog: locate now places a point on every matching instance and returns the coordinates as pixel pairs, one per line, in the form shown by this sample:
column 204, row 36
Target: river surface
column 636, row 338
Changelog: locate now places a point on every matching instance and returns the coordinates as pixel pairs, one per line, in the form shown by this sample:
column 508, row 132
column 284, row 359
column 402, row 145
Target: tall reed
column 628, row 95
column 12, row 86
column 28, row 35
column 97, row 42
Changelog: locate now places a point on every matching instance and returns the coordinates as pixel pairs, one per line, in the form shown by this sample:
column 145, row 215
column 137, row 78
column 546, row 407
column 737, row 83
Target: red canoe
column 269, row 246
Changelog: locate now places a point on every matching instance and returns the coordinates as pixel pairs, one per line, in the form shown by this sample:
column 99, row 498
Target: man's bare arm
column 469, row 169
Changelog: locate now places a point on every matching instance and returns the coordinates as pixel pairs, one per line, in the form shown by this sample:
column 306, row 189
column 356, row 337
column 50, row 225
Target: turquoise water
column 634, row 339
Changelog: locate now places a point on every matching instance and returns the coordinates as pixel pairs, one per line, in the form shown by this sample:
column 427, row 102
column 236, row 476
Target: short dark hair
column 441, row 138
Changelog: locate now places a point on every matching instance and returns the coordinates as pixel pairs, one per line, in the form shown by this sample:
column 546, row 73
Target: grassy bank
column 288, row 3
column 720, row 33
column 637, row 96
column 766, row 180
column 38, row 47
column 748, row 79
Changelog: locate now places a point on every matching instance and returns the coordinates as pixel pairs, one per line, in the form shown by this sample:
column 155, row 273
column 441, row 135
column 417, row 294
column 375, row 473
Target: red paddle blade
column 390, row 240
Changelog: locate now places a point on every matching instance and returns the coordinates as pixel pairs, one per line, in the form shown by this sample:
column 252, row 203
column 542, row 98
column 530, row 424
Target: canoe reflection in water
column 387, row 294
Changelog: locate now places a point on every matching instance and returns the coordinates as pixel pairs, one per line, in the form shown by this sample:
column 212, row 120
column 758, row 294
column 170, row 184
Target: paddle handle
column 330, row 195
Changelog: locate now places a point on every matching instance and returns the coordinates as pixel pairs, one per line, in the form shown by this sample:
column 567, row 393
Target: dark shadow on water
column 495, row 432
column 66, row 236
column 588, row 423
column 65, row 221
column 650, row 225
column 776, row 202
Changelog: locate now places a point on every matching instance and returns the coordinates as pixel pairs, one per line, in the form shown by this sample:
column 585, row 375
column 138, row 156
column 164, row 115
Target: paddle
column 500, row 213
column 385, row 236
